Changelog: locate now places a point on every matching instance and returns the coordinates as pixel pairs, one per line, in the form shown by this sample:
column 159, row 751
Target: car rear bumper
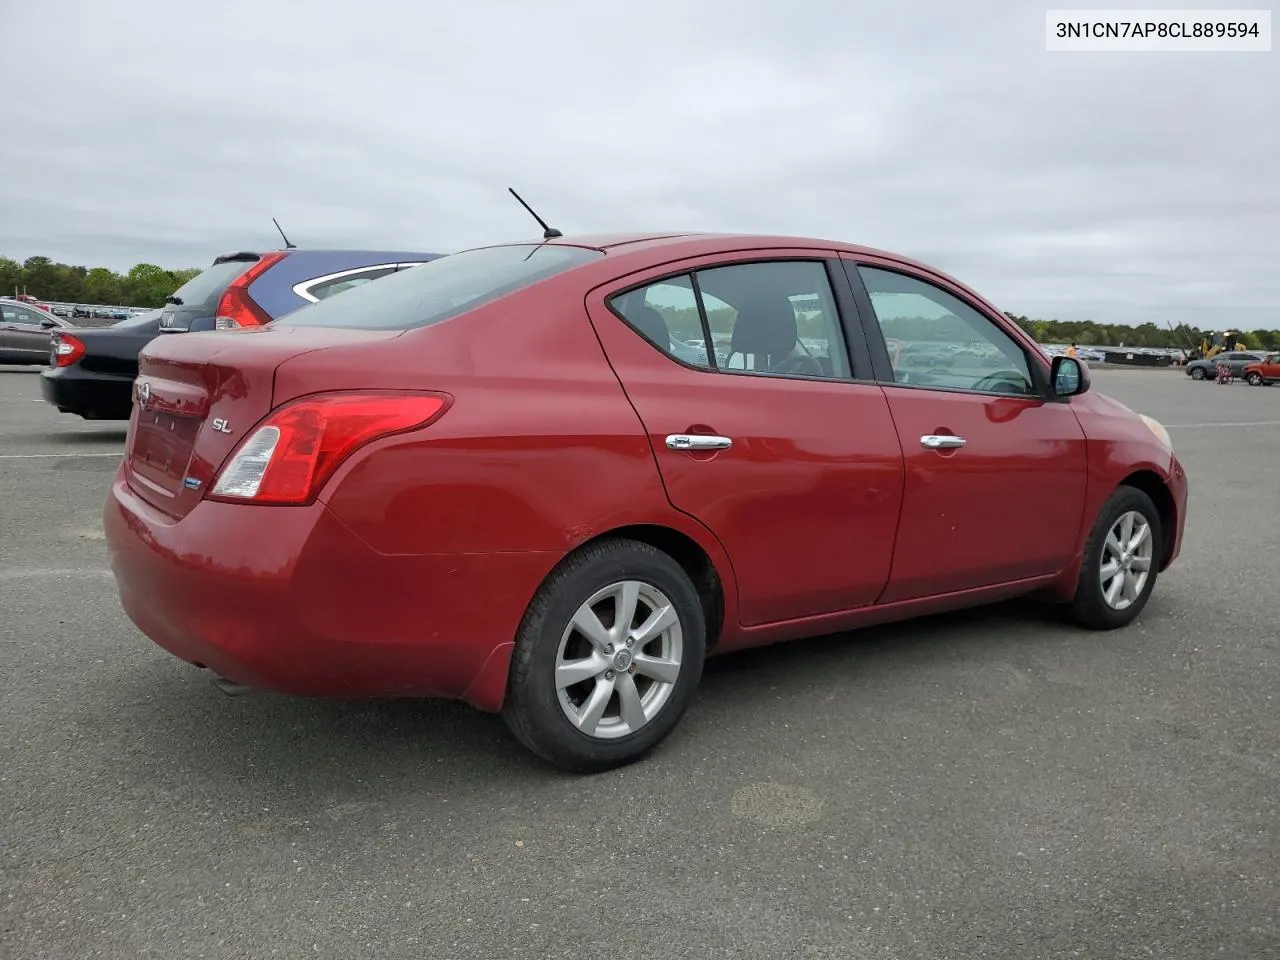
column 91, row 395
column 289, row 599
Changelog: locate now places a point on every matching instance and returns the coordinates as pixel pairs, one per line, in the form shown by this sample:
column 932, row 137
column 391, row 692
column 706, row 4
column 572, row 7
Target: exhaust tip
column 230, row 687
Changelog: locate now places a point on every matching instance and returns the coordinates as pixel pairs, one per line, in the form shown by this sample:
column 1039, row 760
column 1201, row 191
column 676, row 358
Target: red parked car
column 549, row 478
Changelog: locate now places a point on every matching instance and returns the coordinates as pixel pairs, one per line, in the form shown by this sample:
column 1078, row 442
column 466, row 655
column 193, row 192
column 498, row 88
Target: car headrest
column 650, row 323
column 764, row 328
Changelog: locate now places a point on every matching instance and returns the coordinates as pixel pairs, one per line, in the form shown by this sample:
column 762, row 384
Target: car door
column 995, row 473
column 1239, row 361
column 765, row 426
column 23, row 333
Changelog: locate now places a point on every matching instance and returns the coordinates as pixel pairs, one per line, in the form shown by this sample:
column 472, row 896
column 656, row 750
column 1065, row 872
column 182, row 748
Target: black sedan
column 91, row 372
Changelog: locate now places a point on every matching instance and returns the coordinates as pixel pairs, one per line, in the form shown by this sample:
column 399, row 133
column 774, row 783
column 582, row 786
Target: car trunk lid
column 197, row 397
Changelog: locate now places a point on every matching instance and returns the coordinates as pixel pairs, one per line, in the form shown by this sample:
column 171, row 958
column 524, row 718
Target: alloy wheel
column 1126, row 560
column 619, row 659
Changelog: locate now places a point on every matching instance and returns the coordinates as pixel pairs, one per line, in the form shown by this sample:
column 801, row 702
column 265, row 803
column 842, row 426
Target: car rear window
column 444, row 288
column 204, row 289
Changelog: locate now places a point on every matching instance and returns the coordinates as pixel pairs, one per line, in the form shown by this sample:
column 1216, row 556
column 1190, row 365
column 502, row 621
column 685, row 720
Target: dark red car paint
column 410, row 573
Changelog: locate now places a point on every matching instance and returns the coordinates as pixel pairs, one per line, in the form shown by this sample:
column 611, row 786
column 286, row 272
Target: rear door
column 763, row 422
column 995, row 475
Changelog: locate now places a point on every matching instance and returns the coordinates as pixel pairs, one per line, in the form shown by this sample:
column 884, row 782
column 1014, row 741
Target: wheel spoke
column 1126, row 528
column 1112, row 590
column 593, row 709
column 1113, row 544
column 658, row 621
column 1141, row 564
column 588, row 624
column 1139, row 539
column 1130, row 590
column 656, row 668
column 570, row 672
column 1109, row 570
column 626, row 599
column 629, row 706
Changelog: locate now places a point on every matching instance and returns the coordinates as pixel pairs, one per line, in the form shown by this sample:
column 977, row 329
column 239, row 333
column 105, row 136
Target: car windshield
column 444, row 288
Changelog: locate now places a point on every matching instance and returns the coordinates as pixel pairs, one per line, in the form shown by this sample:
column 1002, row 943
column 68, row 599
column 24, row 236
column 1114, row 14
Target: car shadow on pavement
column 181, row 727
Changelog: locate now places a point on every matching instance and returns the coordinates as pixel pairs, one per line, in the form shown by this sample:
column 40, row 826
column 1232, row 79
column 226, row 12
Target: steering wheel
column 1003, row 381
column 800, row 365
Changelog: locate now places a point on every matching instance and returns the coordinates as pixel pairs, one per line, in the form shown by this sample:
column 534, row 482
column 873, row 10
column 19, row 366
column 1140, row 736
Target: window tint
column 935, row 339
column 338, row 284
column 772, row 318
column 443, row 288
column 204, row 289
column 666, row 314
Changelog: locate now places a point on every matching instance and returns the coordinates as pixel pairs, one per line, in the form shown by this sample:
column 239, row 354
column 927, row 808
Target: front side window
column 937, row 340
column 443, row 288
column 773, row 318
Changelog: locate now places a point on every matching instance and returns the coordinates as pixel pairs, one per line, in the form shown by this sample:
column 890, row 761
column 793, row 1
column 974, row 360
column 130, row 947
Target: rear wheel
column 1254, row 379
column 608, row 657
column 1120, row 561
column 1197, row 373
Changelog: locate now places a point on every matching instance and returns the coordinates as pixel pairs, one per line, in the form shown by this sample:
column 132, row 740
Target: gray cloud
column 1117, row 187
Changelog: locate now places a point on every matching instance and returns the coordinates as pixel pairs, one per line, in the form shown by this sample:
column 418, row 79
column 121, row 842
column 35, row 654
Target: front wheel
column 1120, row 564
column 1197, row 373
column 608, row 657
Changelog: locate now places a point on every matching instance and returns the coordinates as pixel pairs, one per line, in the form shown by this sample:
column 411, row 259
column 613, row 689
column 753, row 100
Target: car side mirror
column 48, row 323
column 1068, row 377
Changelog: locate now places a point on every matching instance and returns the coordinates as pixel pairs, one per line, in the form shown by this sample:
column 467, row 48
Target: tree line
column 146, row 285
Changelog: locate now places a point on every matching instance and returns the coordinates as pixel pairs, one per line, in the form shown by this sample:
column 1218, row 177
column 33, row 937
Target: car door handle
column 941, row 441
column 697, row 441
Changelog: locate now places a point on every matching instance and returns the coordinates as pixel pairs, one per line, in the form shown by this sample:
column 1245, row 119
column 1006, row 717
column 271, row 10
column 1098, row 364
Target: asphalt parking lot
column 995, row 784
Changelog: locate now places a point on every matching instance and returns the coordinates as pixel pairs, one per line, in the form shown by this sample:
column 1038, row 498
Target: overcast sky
column 1113, row 187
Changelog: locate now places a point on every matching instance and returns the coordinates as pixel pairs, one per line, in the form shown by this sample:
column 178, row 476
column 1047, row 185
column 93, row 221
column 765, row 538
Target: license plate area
column 162, row 447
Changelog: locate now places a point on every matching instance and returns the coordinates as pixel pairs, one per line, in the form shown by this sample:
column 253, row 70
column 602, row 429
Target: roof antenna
column 287, row 244
column 548, row 233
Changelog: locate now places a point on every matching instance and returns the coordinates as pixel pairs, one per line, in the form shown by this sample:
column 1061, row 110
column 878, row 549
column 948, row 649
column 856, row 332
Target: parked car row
column 497, row 477
column 91, row 372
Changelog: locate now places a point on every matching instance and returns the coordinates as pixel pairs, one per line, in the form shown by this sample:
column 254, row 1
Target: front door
column 760, row 426
column 995, row 475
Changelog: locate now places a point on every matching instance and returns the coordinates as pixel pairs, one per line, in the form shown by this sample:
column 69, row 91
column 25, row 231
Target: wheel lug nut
column 608, row 674
column 609, row 648
column 631, row 641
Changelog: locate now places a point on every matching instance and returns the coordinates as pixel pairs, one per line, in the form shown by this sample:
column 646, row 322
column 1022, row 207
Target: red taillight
column 292, row 453
column 235, row 307
column 67, row 349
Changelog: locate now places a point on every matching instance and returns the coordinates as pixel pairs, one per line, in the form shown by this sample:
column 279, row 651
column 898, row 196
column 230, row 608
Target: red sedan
column 550, row 478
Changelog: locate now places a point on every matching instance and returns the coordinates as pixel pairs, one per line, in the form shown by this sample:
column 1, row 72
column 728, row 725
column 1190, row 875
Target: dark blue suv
column 252, row 289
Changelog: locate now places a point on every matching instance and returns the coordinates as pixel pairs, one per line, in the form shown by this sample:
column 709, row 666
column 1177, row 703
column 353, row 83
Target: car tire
column 1099, row 603
column 584, row 725
column 1197, row 373
column 1254, row 379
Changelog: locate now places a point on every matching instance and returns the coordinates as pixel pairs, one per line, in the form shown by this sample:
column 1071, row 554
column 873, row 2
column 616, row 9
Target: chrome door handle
column 696, row 441
column 941, row 442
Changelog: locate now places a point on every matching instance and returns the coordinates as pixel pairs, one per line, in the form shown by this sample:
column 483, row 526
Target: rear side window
column 431, row 292
column 770, row 318
column 204, row 289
